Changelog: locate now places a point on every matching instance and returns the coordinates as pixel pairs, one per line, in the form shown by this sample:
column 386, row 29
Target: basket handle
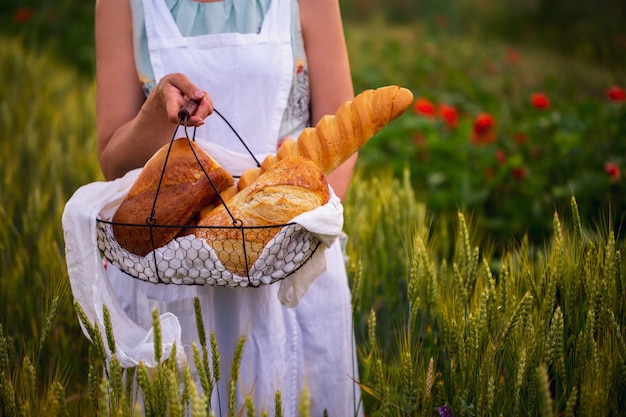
column 190, row 108
column 187, row 110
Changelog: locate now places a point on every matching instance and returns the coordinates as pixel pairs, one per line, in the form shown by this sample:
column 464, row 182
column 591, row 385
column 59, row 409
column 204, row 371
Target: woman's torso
column 242, row 16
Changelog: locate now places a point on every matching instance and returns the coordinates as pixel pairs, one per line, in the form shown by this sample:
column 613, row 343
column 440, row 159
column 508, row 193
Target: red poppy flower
column 449, row 115
column 483, row 138
column 612, row 170
column 424, row 107
column 483, row 123
column 520, row 138
column 23, row 15
column 520, row 173
column 483, row 133
column 512, row 55
column 501, row 156
column 616, row 93
column 540, row 101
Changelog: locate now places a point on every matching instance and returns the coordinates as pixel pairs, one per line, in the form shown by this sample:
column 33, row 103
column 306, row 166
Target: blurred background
column 520, row 104
column 592, row 31
column 589, row 30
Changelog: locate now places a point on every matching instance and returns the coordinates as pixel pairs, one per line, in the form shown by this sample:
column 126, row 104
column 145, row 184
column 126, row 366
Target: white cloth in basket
column 92, row 289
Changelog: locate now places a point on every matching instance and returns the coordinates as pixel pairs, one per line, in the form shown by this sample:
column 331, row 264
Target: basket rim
column 188, row 226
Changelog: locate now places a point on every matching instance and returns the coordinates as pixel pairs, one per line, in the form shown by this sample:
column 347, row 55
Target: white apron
column 289, row 350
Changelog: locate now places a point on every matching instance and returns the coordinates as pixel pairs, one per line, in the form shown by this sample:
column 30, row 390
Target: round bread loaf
column 191, row 180
column 292, row 186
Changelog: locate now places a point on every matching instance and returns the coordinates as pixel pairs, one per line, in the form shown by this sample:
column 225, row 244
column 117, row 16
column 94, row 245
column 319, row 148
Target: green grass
column 538, row 331
column 48, row 149
column 510, row 186
column 442, row 318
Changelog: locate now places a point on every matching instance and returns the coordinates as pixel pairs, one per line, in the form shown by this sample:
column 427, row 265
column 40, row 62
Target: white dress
column 310, row 346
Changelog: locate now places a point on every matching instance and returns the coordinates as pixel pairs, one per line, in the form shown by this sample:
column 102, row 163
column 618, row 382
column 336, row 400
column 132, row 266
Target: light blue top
column 243, row 16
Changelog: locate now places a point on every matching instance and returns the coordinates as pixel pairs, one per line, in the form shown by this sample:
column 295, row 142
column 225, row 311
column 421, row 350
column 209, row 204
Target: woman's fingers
column 175, row 90
column 204, row 108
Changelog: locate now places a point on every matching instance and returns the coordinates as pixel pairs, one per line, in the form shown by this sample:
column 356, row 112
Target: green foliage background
column 422, row 286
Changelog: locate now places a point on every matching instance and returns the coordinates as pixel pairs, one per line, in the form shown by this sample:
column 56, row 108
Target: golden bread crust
column 184, row 190
column 292, row 186
column 337, row 137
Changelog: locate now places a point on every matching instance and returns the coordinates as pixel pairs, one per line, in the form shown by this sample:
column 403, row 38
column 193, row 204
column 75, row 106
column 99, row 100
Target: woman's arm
column 329, row 71
column 130, row 127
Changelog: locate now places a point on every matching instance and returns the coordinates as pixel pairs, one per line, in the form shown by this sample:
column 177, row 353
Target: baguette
column 337, row 137
column 182, row 193
column 289, row 188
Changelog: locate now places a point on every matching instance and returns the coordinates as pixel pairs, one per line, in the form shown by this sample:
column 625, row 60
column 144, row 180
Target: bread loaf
column 183, row 191
column 336, row 137
column 248, row 177
column 289, row 188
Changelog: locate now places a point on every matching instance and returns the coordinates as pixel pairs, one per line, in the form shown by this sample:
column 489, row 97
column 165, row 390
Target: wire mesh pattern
column 235, row 256
column 190, row 260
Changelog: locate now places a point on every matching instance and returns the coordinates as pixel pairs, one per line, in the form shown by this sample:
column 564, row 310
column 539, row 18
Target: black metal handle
column 187, row 110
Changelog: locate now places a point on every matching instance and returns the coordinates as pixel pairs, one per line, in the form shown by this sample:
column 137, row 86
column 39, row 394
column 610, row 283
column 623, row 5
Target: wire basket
column 208, row 255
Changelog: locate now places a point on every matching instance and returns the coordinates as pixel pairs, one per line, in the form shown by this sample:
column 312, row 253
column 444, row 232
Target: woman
column 271, row 68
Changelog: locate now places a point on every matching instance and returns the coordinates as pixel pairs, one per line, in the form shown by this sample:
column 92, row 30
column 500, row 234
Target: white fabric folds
column 92, row 289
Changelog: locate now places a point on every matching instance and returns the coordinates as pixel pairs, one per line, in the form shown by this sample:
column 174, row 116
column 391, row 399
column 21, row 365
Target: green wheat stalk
column 381, row 386
column 520, row 378
column 555, row 341
column 104, row 400
column 130, row 393
column 356, row 284
column 57, row 394
column 187, row 392
column 464, row 239
column 234, row 376
column 176, row 406
column 116, row 384
column 249, row 404
column 571, row 403
column 215, row 358
column 29, row 374
column 304, row 405
column 429, row 383
column 143, row 379
column 371, row 331
column 232, row 398
column 207, row 382
column 504, row 285
column 199, row 402
column 407, row 375
column 7, row 391
column 108, row 329
column 202, row 373
column 459, row 285
column 92, row 331
column 93, row 378
column 546, row 404
column 49, row 323
column 519, row 315
column 616, row 292
column 578, row 228
column 278, row 404
column 158, row 342
column 491, row 394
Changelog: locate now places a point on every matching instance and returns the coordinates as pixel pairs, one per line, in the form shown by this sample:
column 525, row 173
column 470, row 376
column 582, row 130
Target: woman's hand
column 172, row 92
column 130, row 134
column 131, row 127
